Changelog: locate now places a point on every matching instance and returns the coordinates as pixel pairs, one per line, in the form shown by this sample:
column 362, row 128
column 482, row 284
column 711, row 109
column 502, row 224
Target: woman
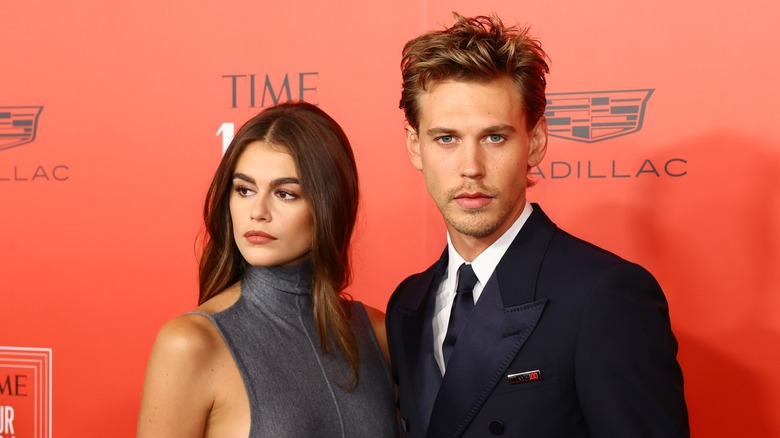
column 275, row 349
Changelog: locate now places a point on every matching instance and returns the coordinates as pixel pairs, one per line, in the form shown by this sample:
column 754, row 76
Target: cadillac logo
column 596, row 115
column 18, row 125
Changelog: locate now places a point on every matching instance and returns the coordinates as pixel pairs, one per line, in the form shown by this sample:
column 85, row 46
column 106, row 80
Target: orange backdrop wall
column 113, row 117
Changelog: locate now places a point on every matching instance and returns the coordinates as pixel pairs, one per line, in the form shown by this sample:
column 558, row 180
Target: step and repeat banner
column 114, row 115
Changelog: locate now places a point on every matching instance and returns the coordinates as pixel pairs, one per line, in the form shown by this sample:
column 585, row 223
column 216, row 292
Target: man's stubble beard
column 476, row 223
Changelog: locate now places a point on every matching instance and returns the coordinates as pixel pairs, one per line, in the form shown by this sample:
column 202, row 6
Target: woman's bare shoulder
column 377, row 318
column 187, row 372
column 189, row 336
column 222, row 300
column 180, row 383
column 193, row 338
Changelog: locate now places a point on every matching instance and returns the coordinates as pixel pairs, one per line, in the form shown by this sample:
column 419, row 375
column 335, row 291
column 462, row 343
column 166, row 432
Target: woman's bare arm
column 178, row 391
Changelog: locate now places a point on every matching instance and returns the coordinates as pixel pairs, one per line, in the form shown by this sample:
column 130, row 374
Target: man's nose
column 471, row 160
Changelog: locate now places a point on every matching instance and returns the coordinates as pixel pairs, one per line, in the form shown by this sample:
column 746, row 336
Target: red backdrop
column 100, row 208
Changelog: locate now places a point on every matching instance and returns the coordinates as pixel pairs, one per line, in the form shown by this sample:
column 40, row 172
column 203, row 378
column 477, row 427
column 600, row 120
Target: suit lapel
column 489, row 341
column 499, row 325
column 427, row 376
column 519, row 269
column 416, row 311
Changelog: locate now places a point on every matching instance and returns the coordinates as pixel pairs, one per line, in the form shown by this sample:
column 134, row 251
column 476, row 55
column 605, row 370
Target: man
column 520, row 329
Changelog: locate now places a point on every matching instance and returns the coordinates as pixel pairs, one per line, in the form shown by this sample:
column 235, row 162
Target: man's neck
column 470, row 247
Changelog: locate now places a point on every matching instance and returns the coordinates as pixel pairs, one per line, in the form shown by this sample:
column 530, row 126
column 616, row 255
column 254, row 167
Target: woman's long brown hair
column 328, row 175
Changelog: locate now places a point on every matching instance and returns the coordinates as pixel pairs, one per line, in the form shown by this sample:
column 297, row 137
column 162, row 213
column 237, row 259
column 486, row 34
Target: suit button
column 496, row 427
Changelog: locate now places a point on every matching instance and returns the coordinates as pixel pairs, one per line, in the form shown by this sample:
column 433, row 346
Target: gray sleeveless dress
column 293, row 387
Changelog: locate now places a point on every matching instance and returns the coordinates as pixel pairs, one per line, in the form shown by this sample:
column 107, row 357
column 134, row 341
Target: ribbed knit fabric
column 293, row 387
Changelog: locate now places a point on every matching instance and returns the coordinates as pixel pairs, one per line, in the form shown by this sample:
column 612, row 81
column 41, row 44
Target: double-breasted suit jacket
column 566, row 340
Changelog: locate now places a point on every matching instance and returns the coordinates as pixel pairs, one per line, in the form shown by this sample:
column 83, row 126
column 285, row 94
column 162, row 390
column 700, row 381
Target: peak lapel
column 489, row 341
column 518, row 270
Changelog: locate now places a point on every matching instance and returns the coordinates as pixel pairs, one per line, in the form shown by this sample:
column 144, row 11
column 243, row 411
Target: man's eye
column 446, row 139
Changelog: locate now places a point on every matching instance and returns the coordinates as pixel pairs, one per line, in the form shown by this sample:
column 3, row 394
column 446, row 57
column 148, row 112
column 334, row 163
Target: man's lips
column 258, row 237
column 473, row 200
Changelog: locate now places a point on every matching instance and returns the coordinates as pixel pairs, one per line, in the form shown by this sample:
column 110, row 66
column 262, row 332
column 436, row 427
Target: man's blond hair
column 479, row 49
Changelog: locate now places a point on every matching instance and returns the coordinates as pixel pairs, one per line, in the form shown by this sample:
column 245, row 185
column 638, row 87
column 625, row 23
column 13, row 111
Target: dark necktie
column 461, row 308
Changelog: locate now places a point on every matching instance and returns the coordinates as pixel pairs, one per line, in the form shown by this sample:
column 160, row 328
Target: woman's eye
column 243, row 191
column 287, row 196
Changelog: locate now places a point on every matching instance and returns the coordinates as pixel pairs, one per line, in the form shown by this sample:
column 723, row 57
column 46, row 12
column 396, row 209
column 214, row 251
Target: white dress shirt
column 483, row 266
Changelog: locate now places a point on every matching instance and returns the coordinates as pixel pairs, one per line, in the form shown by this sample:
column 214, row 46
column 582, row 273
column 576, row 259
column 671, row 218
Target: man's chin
column 473, row 228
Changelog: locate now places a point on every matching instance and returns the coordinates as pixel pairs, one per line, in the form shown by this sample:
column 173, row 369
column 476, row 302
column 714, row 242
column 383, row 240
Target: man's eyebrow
column 488, row 130
column 499, row 128
column 438, row 131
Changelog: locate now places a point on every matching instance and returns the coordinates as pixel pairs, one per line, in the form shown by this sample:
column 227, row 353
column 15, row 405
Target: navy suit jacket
column 586, row 334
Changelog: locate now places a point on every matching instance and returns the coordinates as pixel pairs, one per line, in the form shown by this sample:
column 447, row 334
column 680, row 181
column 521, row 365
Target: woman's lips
column 258, row 237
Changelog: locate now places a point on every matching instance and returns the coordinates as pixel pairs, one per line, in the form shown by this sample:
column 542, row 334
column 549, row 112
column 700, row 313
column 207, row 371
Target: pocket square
column 524, row 377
